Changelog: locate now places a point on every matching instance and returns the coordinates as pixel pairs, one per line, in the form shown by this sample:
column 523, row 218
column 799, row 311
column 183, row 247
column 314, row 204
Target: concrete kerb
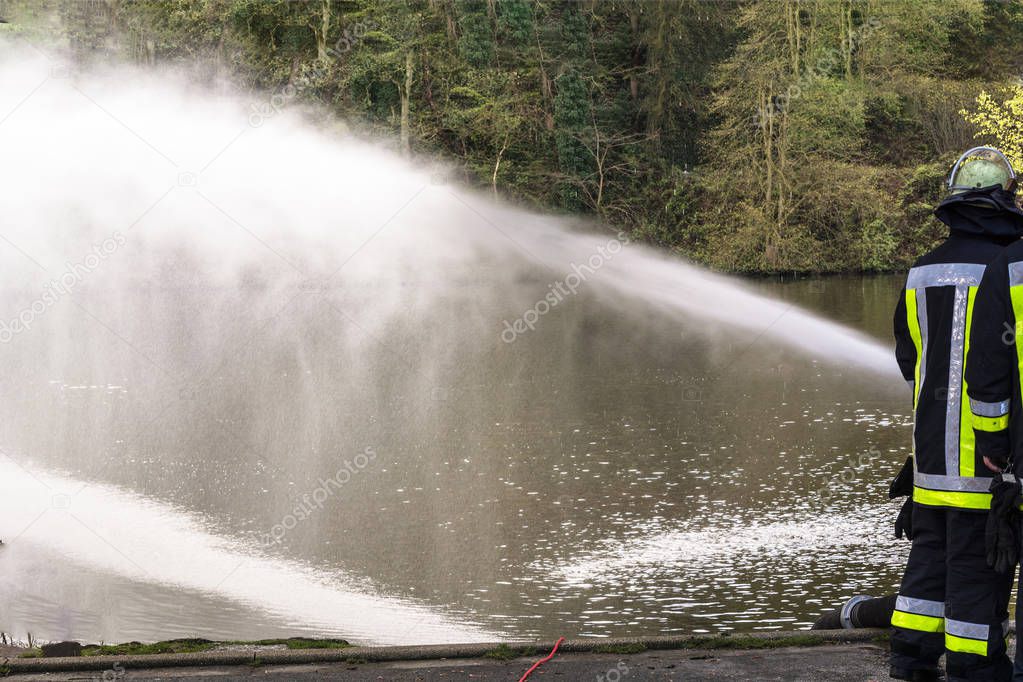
column 439, row 651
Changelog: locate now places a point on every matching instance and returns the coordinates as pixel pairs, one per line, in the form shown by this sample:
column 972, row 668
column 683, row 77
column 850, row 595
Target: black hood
column 990, row 211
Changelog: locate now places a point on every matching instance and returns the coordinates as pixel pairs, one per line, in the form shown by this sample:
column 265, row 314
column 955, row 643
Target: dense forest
column 753, row 136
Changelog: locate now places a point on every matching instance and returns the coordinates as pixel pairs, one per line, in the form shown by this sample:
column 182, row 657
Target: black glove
column 904, row 522
column 1001, row 535
column 902, row 484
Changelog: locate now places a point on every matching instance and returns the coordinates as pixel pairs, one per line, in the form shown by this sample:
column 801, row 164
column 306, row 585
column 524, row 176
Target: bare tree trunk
column 657, row 58
column 406, row 97
column 322, row 31
column 766, row 133
column 794, row 30
column 218, row 55
column 847, row 17
column 798, row 23
column 545, row 84
column 497, row 165
column 633, row 80
column 781, row 145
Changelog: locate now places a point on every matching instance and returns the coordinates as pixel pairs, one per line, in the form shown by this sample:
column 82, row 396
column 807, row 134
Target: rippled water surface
column 608, row 475
column 283, row 399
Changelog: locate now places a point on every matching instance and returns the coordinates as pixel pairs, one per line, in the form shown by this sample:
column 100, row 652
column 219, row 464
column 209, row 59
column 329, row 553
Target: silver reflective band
column 945, row 275
column 921, row 320
column 1015, row 274
column 982, row 409
column 961, row 628
column 921, row 607
column 909, row 382
column 953, row 399
column 958, row 484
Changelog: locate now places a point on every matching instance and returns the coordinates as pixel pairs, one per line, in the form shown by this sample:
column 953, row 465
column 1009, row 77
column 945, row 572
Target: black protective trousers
column 950, row 601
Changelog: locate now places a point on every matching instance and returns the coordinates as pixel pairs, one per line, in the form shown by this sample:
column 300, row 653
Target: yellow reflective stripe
column 948, row 498
column 914, row 621
column 914, row 332
column 967, row 439
column 965, row 646
column 1016, row 295
column 991, row 424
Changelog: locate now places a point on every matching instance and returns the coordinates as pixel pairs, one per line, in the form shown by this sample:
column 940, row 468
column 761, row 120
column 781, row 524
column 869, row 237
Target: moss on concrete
column 749, row 642
column 624, row 649
column 186, row 646
column 170, row 646
column 299, row 643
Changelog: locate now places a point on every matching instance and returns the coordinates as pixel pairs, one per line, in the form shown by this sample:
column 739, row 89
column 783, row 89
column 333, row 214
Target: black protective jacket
column 993, row 363
column 933, row 322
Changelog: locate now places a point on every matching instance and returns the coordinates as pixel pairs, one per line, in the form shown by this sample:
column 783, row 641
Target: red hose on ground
column 543, row 660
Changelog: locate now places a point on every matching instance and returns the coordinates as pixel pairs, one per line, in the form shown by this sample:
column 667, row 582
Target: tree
column 1001, row 123
column 752, row 135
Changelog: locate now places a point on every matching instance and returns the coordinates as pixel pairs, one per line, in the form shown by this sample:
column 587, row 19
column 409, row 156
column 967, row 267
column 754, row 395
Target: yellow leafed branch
column 1001, row 122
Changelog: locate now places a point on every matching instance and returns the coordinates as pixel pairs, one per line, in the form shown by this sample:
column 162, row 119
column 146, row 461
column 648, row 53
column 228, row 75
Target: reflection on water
column 180, row 435
column 577, row 485
column 92, row 522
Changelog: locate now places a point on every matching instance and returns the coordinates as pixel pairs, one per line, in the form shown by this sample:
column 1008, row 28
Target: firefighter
column 993, row 387
column 950, row 601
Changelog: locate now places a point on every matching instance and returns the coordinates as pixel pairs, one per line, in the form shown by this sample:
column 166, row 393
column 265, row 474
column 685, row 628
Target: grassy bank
column 195, row 645
column 500, row 652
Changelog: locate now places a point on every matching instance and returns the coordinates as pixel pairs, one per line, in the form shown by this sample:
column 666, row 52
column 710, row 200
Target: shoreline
column 253, row 654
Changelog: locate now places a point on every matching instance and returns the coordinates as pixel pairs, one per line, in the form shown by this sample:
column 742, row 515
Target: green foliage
column 515, row 19
column 476, row 42
column 172, row 646
column 829, row 121
column 878, row 243
column 307, row 643
column 571, row 106
column 751, row 135
column 183, row 646
column 753, row 642
column 852, row 98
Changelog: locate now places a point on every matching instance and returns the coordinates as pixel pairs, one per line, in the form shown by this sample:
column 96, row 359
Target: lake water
column 275, row 380
column 606, row 474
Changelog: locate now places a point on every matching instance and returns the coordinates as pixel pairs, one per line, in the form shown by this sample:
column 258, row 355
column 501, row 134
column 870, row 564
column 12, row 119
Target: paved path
column 841, row 663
